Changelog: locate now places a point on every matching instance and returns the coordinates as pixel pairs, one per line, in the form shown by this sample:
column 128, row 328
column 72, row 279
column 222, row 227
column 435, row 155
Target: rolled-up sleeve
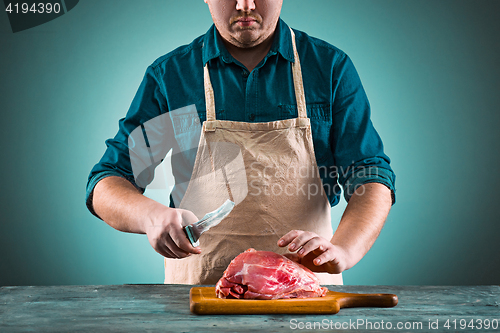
column 356, row 146
column 148, row 103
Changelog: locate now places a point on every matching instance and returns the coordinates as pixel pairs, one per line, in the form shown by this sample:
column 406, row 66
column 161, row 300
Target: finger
column 165, row 251
column 159, row 245
column 323, row 258
column 312, row 244
column 287, row 238
column 300, row 240
column 181, row 241
column 329, row 261
column 172, row 246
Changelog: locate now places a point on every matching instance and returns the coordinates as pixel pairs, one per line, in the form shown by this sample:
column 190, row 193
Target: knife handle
column 188, row 230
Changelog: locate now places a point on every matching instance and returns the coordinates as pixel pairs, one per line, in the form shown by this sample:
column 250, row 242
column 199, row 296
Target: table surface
column 165, row 308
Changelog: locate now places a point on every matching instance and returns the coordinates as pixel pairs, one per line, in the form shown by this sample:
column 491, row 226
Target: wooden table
column 165, row 308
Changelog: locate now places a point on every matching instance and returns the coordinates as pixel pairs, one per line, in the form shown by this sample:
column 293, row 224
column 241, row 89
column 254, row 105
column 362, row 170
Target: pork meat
column 267, row 275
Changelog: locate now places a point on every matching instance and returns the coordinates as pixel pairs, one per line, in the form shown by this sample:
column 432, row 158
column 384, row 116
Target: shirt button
column 244, row 73
column 251, row 117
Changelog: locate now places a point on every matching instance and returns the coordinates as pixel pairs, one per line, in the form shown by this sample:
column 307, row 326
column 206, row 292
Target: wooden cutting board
column 202, row 300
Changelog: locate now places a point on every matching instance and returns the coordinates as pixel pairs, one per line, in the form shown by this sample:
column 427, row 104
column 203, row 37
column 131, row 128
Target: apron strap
column 297, row 83
column 209, row 95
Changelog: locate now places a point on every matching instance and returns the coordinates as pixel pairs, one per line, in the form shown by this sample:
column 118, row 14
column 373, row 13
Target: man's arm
column 123, row 207
column 362, row 221
column 359, row 227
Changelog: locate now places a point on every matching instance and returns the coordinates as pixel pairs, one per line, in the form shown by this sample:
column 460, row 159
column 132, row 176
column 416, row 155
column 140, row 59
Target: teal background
column 430, row 69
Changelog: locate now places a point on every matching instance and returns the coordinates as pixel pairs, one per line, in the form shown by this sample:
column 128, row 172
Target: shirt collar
column 214, row 48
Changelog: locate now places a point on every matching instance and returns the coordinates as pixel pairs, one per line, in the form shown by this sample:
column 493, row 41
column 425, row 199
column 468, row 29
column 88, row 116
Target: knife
column 194, row 231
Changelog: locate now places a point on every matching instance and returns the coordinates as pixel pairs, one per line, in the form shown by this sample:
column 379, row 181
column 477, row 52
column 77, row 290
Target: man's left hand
column 314, row 252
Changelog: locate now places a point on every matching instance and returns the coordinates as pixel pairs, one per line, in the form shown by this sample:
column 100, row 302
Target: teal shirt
column 348, row 150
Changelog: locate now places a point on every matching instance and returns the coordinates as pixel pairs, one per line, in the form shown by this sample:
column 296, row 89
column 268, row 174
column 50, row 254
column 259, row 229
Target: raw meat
column 267, row 275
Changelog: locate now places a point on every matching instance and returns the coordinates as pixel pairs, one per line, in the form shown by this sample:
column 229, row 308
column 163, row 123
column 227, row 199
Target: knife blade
column 194, row 231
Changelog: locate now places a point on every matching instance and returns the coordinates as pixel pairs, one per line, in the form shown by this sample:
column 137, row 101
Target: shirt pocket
column 320, row 115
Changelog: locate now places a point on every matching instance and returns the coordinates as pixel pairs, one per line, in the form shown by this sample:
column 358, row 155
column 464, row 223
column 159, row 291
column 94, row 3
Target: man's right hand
column 165, row 234
column 123, row 207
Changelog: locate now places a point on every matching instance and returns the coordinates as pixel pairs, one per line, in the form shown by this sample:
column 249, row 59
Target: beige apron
column 273, row 178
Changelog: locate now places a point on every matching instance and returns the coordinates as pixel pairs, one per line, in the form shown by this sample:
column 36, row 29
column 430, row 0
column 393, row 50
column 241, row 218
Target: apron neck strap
column 209, row 94
column 297, row 83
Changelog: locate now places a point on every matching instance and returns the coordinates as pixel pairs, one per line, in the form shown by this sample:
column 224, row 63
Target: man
column 267, row 88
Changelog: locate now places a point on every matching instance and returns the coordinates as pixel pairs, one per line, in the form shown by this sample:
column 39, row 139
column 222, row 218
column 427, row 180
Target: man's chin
column 248, row 38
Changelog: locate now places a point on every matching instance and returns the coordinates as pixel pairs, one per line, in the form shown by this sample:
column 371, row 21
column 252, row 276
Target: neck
column 250, row 57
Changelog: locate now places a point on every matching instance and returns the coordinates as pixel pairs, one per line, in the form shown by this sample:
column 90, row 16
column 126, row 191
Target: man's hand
column 314, row 252
column 165, row 232
column 360, row 225
column 124, row 208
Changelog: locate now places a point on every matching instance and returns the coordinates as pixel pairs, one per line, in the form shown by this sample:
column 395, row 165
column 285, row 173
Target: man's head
column 245, row 23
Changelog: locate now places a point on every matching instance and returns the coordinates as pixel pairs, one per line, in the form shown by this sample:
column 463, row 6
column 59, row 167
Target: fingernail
column 317, row 261
column 292, row 246
column 281, row 242
column 301, row 251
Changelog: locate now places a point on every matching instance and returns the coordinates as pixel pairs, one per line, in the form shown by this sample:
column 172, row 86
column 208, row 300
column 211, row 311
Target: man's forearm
column 362, row 221
column 121, row 205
